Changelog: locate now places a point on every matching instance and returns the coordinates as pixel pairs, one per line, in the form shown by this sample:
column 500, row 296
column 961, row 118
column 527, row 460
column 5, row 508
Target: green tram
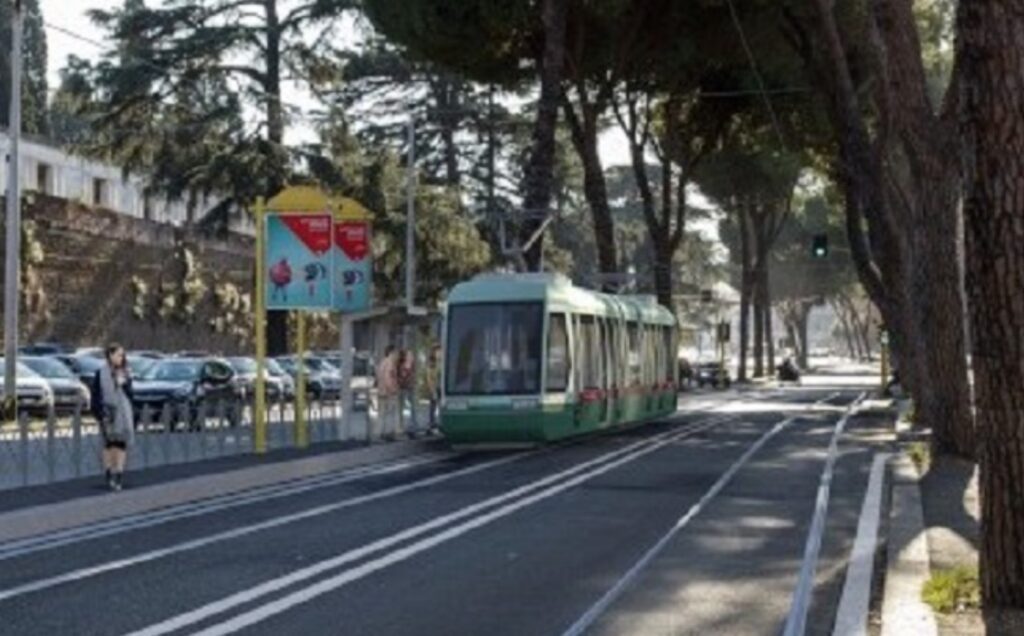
column 530, row 358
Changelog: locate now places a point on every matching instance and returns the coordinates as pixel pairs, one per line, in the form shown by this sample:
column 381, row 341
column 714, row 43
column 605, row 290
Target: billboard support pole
column 301, row 436
column 260, row 306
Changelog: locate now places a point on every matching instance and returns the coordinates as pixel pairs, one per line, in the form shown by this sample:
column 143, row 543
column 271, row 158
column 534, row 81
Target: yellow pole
column 301, row 436
column 260, row 416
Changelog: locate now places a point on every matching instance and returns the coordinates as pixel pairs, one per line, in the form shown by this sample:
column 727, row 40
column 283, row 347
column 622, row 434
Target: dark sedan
column 188, row 388
column 713, row 374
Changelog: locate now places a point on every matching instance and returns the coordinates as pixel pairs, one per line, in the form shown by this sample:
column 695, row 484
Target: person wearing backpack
column 117, row 422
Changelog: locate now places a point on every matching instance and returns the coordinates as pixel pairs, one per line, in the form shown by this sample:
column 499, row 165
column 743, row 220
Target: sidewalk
column 71, row 504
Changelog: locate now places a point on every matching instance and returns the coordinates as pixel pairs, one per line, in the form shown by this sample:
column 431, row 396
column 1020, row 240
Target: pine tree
column 34, row 89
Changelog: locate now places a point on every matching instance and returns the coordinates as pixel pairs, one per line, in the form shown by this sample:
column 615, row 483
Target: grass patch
column 921, row 454
column 953, row 590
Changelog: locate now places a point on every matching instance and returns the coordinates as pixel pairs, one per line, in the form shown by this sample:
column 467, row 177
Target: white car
column 34, row 393
column 69, row 393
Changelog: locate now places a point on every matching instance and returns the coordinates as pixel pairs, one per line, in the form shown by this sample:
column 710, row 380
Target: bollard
column 23, row 435
column 76, row 439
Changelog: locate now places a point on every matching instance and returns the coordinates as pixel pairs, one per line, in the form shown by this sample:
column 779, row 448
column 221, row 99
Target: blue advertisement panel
column 298, row 261
column 353, row 271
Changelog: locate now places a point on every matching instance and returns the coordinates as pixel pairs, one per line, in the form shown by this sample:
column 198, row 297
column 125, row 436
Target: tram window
column 558, row 354
column 670, row 353
column 633, row 357
column 591, row 372
column 494, row 349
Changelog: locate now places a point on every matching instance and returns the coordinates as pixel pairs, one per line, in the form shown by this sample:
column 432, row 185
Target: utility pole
column 13, row 222
column 410, row 219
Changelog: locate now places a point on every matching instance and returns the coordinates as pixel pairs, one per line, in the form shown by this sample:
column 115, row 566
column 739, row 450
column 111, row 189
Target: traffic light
column 819, row 246
column 723, row 331
column 706, row 295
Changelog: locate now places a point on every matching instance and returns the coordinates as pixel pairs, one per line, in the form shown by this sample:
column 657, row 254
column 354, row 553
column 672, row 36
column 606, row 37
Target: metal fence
column 40, row 450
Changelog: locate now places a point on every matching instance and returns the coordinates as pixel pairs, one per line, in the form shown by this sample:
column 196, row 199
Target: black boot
column 110, row 479
column 118, row 481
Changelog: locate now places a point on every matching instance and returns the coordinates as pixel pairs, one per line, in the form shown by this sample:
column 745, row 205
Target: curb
column 28, row 522
column 907, row 563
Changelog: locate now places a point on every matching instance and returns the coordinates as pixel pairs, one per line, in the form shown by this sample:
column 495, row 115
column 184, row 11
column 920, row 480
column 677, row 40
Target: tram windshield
column 494, row 349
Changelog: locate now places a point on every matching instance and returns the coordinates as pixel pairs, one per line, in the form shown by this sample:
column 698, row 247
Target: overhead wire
column 757, row 73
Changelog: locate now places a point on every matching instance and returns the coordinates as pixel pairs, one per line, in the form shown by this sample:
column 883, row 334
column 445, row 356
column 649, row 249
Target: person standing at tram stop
column 387, row 393
column 432, row 380
column 117, row 424
column 407, row 389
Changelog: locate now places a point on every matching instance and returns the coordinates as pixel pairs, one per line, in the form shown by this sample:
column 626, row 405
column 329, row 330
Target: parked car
column 33, row 392
column 245, row 377
column 82, row 365
column 277, row 372
column 189, row 387
column 363, row 376
column 69, row 392
column 139, row 365
column 321, row 381
column 195, row 353
column 144, row 353
column 712, row 374
column 44, row 349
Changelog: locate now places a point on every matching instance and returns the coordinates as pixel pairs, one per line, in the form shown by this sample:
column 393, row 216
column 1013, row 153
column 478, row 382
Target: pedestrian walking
column 407, row 389
column 388, row 393
column 117, row 422
column 432, row 379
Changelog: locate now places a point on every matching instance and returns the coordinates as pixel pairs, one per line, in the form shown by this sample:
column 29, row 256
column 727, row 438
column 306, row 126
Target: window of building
column 99, row 191
column 44, row 178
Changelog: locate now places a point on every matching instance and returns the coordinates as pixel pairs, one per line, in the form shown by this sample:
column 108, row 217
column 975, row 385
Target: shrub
column 953, row 590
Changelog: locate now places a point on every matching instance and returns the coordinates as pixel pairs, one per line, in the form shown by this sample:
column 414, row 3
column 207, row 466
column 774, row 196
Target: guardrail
column 55, row 447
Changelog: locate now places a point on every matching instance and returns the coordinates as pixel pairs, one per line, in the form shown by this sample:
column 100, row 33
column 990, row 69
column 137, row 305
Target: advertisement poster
column 298, row 261
column 353, row 272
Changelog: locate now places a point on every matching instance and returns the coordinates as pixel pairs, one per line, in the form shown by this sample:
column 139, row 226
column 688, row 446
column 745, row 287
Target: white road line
column 852, row 616
column 194, row 544
column 202, row 542
column 343, row 578
column 22, row 547
column 796, row 621
column 587, row 619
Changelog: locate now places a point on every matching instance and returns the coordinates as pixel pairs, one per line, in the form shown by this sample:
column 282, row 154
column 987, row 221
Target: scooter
column 788, row 372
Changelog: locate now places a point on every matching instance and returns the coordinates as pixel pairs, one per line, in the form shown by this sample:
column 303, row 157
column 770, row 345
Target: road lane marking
column 855, row 601
column 22, row 547
column 591, row 615
column 202, row 542
column 347, row 576
column 796, row 621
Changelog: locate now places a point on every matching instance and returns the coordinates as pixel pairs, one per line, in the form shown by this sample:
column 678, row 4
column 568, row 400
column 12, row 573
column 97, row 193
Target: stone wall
column 90, row 276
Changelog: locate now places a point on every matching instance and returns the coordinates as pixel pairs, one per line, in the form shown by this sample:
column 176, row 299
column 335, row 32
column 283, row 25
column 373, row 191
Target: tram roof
column 558, row 292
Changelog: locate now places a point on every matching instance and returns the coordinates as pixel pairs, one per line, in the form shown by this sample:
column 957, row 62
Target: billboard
column 353, row 274
column 298, row 261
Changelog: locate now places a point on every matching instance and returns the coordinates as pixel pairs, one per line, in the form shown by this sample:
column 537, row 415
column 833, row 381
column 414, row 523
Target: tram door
column 604, row 351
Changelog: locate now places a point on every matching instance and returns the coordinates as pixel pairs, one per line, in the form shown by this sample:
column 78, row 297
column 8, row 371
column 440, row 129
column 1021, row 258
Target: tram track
column 87, row 572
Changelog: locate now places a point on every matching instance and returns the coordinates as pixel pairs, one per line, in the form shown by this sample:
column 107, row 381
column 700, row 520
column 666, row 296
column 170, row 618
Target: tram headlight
column 525, row 404
column 456, row 405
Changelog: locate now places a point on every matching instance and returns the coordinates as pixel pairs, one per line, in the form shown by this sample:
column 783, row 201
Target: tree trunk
column 746, row 277
column 801, row 329
column 769, row 336
column 989, row 45
column 277, row 321
column 584, row 130
column 758, row 324
column 540, row 168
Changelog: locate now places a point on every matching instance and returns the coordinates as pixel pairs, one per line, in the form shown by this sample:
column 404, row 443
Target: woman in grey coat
column 118, row 422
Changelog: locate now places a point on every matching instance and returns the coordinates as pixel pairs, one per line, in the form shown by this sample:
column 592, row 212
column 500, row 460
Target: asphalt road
column 552, row 541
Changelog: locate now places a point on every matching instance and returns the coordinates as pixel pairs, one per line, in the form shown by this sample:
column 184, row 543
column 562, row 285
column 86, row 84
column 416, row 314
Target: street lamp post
column 13, row 221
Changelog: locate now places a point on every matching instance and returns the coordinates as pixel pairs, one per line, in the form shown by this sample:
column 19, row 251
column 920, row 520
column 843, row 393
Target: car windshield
column 49, row 368
column 24, row 371
column 88, row 364
column 274, row 368
column 243, row 365
column 175, row 371
column 319, row 365
column 494, row 349
column 140, row 366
